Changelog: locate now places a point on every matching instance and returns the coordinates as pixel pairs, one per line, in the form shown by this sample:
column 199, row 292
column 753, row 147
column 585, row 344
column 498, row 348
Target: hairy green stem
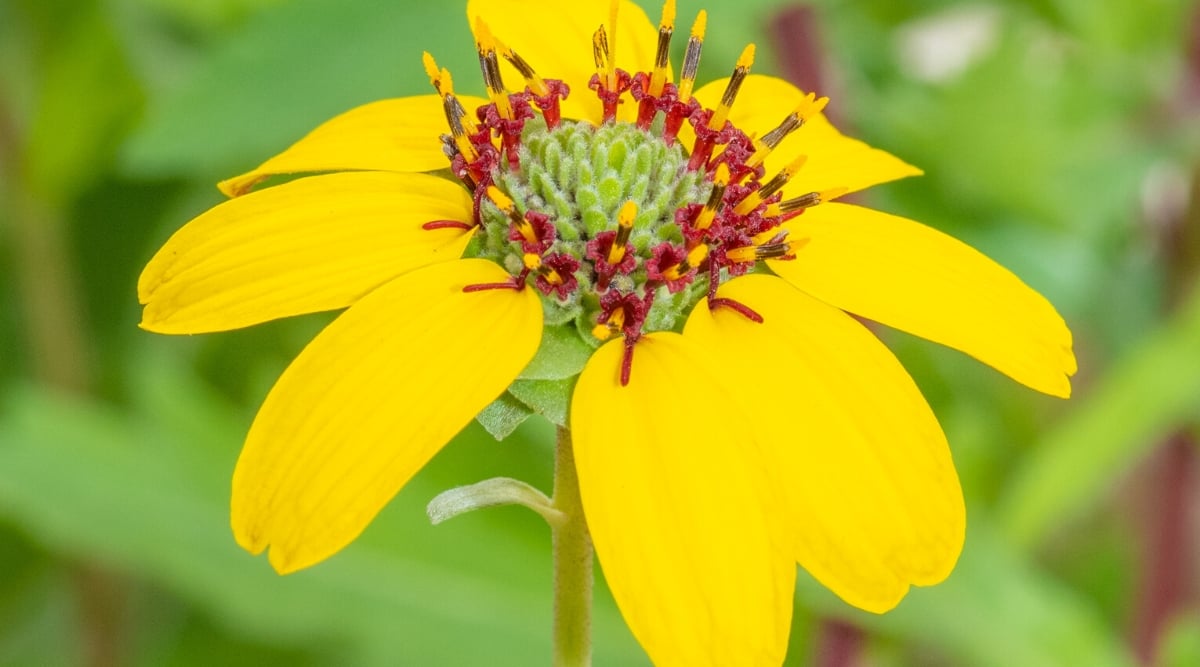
column 572, row 564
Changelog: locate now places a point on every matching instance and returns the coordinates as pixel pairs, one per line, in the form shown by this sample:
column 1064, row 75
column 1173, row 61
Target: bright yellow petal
column 313, row 244
column 674, row 497
column 400, row 135
column 556, row 39
column 917, row 279
column 834, row 160
column 370, row 401
column 873, row 499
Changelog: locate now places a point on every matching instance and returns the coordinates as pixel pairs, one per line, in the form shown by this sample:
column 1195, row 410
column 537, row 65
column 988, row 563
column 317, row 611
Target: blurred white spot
column 1165, row 194
column 938, row 48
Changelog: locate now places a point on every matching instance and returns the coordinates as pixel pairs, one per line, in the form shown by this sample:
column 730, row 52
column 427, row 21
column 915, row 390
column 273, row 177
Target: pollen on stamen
column 691, row 59
column 755, row 199
column 485, row 44
column 740, row 71
column 461, row 124
column 720, row 182
column 432, row 71
column 624, row 227
column 610, row 326
column 535, row 82
column 692, row 260
column 808, row 108
column 804, row 201
column 501, row 200
column 666, row 29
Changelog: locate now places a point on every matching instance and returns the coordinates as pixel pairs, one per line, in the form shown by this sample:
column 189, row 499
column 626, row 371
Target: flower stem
column 572, row 564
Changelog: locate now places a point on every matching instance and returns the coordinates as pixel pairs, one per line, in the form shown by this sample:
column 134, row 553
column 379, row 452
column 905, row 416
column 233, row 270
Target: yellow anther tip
column 700, row 25
column 745, row 60
column 668, row 15
column 431, row 68
column 743, row 254
column 483, row 36
column 627, row 214
column 722, row 175
column 811, row 106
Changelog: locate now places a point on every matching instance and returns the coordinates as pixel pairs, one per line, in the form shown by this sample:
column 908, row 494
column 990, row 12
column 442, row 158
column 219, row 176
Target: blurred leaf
column 291, row 68
column 1154, row 389
column 995, row 610
column 148, row 496
column 85, row 101
column 1181, row 643
column 207, row 14
column 37, row 604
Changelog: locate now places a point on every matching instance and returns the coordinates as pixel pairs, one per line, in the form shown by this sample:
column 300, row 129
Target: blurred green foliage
column 1053, row 142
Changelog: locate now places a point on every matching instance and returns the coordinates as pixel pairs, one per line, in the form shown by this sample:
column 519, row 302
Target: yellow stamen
column 485, row 43
column 532, row 79
column 467, row 149
column 461, row 124
column 731, row 90
column 720, row 181
column 502, row 201
column 693, row 259
column 447, row 82
column 611, row 326
column 767, row 236
column 742, row 255
column 691, row 60
column 809, row 107
column 775, row 250
column 624, row 226
column 754, row 199
column 432, row 71
column 506, row 205
column 806, row 201
column 600, row 52
column 666, row 28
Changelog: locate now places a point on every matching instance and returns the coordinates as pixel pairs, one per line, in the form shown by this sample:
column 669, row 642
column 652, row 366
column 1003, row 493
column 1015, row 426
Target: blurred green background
column 1061, row 137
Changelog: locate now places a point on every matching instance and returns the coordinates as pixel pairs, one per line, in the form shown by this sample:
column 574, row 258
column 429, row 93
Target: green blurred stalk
column 57, row 353
column 572, row 563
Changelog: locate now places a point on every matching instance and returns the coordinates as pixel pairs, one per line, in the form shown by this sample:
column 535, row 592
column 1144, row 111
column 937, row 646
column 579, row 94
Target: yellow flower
column 732, row 421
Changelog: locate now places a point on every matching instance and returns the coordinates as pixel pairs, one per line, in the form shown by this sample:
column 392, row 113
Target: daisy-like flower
column 730, row 419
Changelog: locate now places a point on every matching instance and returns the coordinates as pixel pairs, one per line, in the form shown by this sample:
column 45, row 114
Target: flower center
column 590, row 214
column 620, row 227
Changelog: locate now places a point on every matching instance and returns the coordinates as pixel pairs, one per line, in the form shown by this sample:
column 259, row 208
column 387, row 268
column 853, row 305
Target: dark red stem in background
column 840, row 644
column 1166, row 542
